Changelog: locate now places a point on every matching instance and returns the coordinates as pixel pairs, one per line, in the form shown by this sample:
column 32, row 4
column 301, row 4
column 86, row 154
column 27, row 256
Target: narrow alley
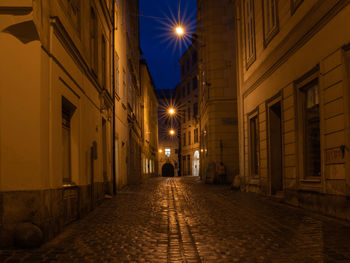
column 184, row 220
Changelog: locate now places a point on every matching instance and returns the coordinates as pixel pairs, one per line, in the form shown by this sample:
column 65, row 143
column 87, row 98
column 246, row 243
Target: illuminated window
column 167, row 152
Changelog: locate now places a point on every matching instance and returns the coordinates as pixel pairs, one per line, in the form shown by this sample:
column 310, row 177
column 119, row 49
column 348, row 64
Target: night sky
column 157, row 40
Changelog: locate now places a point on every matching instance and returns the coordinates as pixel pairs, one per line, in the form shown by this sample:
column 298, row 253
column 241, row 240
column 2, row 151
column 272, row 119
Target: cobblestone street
column 184, row 220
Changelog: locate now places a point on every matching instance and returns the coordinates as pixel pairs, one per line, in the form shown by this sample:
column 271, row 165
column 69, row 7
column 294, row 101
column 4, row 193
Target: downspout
column 114, row 79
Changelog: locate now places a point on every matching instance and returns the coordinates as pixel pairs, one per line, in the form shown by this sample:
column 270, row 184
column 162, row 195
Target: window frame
column 269, row 35
column 104, row 61
column 73, row 10
column 302, row 98
column 94, row 40
column 67, row 111
column 303, row 83
column 251, row 56
column 196, row 135
column 195, row 109
column 254, row 171
column 294, row 5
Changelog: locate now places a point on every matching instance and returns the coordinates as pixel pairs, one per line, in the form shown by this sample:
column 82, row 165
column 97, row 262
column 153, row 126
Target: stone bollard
column 28, row 235
column 236, row 184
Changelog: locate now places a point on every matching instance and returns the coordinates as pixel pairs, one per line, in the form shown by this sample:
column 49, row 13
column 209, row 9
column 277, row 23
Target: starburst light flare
column 178, row 29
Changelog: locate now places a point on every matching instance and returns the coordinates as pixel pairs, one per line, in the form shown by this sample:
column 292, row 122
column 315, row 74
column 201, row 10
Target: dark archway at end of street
column 168, row 170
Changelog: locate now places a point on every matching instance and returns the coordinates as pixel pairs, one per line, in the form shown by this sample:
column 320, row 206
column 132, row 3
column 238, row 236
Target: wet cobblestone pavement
column 184, row 220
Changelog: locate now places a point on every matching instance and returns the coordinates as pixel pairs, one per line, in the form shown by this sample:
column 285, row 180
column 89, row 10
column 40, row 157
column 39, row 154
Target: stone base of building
column 50, row 210
column 331, row 205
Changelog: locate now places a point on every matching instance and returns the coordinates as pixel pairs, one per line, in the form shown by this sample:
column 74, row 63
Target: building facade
column 217, row 88
column 294, row 101
column 56, row 111
column 149, row 110
column 168, row 151
column 134, row 100
column 187, row 104
column 128, row 99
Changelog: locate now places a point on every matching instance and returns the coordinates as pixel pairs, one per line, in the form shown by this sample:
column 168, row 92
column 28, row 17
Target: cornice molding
column 107, row 15
column 73, row 51
column 310, row 25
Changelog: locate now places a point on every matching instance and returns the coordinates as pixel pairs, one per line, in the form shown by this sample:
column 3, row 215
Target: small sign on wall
column 335, row 155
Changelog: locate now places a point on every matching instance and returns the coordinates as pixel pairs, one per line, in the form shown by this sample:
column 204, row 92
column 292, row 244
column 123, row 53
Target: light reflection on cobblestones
column 183, row 220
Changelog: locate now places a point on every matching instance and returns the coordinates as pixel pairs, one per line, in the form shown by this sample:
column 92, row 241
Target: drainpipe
column 113, row 78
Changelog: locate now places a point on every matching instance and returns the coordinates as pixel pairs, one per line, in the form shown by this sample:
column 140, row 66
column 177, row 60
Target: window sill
column 311, row 181
column 69, row 186
column 311, row 184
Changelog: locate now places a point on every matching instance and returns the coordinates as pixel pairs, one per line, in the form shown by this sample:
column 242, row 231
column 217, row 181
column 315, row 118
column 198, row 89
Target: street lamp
column 171, row 111
column 179, row 30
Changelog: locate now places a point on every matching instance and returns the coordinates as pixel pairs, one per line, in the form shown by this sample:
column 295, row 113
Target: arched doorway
column 195, row 164
column 168, row 170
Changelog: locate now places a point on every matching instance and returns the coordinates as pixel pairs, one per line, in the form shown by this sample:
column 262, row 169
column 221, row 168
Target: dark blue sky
column 158, row 42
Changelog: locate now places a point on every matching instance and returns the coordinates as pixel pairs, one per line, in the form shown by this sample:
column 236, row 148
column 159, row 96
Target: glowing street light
column 171, row 111
column 172, row 132
column 179, row 31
